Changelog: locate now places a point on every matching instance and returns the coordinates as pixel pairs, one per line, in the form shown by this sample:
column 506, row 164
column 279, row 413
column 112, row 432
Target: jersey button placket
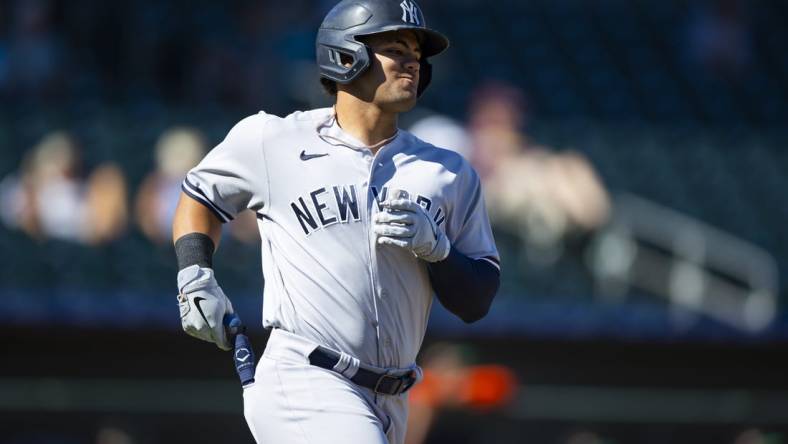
column 369, row 161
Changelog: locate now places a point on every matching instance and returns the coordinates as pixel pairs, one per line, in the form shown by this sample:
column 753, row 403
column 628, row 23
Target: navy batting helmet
column 350, row 19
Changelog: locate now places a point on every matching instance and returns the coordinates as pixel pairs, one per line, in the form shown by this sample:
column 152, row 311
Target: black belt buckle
column 401, row 384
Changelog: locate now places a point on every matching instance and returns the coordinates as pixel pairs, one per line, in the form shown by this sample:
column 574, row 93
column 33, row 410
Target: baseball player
column 361, row 224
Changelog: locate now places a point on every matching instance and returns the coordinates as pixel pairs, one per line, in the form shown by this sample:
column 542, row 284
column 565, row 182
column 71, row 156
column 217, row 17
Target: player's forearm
column 466, row 287
column 193, row 217
column 195, row 232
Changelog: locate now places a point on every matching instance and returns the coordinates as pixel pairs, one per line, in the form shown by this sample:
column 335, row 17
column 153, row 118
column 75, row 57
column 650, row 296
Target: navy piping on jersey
column 221, row 215
column 197, row 188
column 203, row 203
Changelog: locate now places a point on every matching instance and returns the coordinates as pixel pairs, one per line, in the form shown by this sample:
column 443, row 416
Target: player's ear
column 346, row 60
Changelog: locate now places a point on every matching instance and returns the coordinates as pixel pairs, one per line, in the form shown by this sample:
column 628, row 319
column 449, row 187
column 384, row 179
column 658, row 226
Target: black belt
column 378, row 382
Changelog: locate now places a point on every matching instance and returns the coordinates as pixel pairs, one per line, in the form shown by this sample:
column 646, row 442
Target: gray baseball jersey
column 314, row 189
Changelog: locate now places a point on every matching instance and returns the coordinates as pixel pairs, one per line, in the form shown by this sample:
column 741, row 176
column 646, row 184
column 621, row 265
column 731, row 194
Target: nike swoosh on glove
column 406, row 224
column 203, row 306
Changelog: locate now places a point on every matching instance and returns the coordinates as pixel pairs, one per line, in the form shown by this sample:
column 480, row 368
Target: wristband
column 194, row 249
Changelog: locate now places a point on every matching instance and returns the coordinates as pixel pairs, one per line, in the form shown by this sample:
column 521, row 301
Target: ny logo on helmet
column 410, row 13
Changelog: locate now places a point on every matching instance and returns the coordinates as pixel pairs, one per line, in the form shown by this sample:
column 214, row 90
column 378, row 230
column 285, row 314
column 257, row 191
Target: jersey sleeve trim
column 493, row 260
column 267, row 204
column 197, row 194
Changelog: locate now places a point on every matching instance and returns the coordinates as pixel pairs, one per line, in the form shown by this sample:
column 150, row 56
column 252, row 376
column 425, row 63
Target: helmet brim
column 432, row 42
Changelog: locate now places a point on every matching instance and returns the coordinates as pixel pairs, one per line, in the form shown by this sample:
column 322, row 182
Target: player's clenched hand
column 203, row 305
column 406, row 224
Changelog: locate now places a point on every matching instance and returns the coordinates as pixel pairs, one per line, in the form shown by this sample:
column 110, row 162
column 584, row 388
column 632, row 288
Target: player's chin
column 403, row 100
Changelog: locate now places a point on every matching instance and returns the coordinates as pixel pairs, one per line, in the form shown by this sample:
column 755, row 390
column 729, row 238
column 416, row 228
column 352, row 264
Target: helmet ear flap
column 331, row 59
column 425, row 76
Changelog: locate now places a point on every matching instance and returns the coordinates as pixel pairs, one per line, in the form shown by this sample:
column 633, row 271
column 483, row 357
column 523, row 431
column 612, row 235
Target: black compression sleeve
column 465, row 286
column 194, row 248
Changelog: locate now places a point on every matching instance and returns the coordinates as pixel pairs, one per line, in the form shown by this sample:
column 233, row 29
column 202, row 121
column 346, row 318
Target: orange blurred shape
column 483, row 387
column 488, row 386
column 426, row 391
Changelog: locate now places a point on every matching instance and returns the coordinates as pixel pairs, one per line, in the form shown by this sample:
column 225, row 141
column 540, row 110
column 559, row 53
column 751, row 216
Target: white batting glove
column 406, row 224
column 203, row 306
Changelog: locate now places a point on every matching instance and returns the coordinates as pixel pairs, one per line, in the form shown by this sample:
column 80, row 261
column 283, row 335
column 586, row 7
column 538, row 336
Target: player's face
column 392, row 80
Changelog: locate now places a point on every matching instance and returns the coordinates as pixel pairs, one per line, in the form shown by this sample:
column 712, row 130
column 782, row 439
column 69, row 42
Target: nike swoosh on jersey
column 305, row 156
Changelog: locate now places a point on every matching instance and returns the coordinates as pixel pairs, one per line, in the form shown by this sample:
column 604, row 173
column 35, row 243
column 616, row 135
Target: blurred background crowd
column 633, row 155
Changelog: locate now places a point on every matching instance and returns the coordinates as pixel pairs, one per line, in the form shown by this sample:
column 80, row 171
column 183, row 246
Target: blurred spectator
column 496, row 117
column 177, row 151
column 444, row 132
column 48, row 199
column 106, row 201
column 542, row 194
column 720, row 37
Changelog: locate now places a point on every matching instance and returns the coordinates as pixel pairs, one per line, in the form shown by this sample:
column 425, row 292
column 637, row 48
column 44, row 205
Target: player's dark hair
column 329, row 86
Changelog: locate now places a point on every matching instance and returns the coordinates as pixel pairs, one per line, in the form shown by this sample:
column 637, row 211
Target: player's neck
column 366, row 122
